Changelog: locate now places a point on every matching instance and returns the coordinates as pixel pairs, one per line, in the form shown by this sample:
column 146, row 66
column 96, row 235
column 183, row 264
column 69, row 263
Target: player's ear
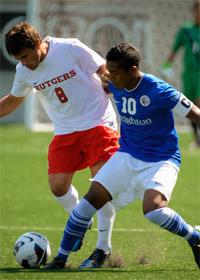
column 133, row 70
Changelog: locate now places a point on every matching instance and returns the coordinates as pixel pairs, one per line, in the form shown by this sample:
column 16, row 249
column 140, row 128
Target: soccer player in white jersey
column 146, row 166
column 63, row 73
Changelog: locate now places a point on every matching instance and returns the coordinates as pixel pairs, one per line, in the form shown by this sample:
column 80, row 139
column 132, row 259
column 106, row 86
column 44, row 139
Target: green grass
column 26, row 204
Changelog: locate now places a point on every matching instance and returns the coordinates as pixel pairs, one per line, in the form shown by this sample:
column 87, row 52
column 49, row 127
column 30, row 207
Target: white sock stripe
column 190, row 231
column 173, row 222
column 169, row 221
column 63, row 252
column 75, row 220
column 179, row 222
column 73, row 232
column 78, row 216
column 165, row 218
column 168, row 226
column 78, row 223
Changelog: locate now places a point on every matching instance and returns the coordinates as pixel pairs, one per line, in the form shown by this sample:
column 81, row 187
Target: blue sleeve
column 110, row 87
column 167, row 97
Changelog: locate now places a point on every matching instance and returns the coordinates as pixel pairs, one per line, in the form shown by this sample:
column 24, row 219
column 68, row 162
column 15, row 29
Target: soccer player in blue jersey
column 147, row 163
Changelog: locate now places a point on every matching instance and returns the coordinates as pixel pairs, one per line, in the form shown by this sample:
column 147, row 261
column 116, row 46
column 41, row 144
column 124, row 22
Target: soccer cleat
column 96, row 259
column 56, row 263
column 196, row 252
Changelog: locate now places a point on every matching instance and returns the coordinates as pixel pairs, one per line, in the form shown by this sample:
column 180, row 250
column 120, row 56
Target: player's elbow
column 8, row 104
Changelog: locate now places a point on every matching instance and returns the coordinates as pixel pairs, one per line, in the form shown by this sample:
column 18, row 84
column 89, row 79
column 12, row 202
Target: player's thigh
column 60, row 183
column 159, row 182
column 65, row 155
column 95, row 168
column 98, row 145
column 116, row 176
column 152, row 200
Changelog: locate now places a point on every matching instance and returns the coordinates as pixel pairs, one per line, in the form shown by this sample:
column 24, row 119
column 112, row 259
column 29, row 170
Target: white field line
column 93, row 229
column 61, row 229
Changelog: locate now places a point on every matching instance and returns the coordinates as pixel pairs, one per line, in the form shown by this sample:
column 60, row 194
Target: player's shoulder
column 22, row 70
column 156, row 85
column 62, row 41
column 153, row 80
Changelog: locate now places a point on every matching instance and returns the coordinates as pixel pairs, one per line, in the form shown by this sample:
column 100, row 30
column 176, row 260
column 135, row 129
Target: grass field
column 26, row 204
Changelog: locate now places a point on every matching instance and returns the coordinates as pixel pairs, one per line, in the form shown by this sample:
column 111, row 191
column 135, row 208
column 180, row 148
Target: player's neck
column 134, row 81
column 44, row 47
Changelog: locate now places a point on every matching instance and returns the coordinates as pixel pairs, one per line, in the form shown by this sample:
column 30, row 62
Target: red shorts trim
column 79, row 150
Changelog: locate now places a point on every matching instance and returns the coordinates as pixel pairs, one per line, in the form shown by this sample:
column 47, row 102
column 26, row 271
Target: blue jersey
column 147, row 122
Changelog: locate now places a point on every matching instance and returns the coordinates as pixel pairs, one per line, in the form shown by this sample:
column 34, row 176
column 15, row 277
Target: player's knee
column 148, row 208
column 58, row 187
column 151, row 205
column 58, row 190
column 97, row 195
column 153, row 200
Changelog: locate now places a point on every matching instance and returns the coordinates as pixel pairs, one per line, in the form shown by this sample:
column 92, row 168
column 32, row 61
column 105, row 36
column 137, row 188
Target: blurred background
column 149, row 24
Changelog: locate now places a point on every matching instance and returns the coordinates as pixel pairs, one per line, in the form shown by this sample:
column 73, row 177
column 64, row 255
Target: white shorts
column 126, row 178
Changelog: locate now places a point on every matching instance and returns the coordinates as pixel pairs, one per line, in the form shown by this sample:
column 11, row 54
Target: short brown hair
column 22, row 35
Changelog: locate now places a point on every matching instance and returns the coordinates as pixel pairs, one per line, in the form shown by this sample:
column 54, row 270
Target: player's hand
column 105, row 80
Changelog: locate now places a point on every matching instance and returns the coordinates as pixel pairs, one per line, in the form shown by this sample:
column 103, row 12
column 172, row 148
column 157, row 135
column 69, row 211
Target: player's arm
column 9, row 103
column 194, row 115
column 102, row 70
column 185, row 108
column 103, row 74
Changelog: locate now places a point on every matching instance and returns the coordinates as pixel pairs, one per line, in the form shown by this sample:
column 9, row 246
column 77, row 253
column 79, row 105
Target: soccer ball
column 31, row 250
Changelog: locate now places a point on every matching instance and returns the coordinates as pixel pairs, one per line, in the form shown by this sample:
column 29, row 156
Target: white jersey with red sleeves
column 68, row 86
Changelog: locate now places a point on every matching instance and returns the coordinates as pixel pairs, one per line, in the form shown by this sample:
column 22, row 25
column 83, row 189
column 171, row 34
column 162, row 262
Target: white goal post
column 35, row 117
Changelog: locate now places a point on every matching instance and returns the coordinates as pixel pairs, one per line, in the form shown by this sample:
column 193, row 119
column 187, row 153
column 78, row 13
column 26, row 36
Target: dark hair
column 125, row 55
column 21, row 36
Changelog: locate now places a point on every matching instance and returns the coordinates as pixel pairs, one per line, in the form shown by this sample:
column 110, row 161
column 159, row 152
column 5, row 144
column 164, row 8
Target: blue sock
column 168, row 219
column 77, row 224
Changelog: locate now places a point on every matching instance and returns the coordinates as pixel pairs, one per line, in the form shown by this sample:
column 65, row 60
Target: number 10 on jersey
column 128, row 105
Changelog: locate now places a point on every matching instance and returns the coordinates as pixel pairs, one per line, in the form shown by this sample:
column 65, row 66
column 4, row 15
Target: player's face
column 29, row 57
column 120, row 77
